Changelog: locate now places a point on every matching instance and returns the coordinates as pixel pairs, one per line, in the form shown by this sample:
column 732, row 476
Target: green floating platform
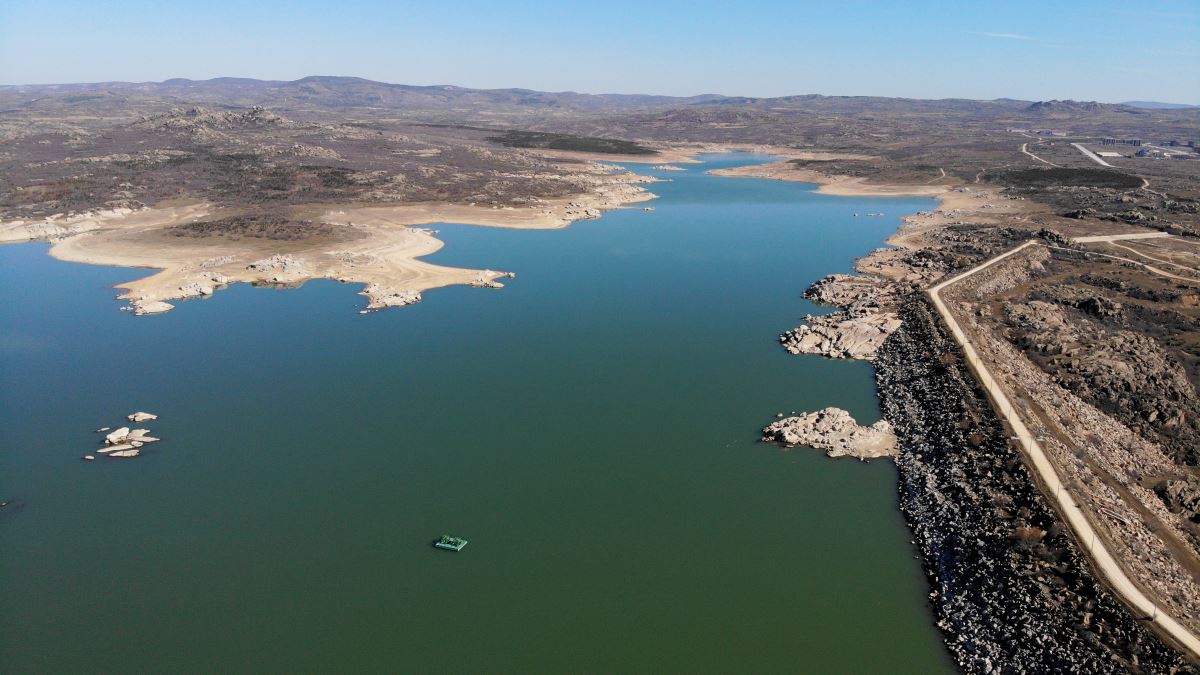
column 450, row 543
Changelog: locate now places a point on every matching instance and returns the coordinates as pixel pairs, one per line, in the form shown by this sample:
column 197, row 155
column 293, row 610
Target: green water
column 591, row 429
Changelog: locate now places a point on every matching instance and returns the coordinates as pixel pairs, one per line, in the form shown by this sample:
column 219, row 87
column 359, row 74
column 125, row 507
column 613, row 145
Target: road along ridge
column 1102, row 559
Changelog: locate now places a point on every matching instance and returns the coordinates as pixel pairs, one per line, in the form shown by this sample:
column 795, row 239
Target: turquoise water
column 591, row 429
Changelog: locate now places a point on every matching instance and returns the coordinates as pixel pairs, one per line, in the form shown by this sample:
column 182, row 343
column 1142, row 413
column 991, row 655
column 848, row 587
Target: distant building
column 1136, row 142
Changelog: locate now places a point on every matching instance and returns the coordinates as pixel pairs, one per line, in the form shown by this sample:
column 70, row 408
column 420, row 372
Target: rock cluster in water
column 382, row 296
column 490, row 279
column 142, row 307
column 839, row 335
column 125, row 442
column 834, row 431
column 857, row 331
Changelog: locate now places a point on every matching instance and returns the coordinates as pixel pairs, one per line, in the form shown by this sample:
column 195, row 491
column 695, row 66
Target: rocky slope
column 1010, row 590
column 1085, row 342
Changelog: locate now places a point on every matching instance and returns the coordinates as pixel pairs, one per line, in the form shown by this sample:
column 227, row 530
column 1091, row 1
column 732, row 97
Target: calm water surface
column 591, row 429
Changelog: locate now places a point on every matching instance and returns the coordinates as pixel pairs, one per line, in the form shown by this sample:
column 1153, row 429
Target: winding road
column 1112, row 239
column 1025, row 150
column 1103, row 561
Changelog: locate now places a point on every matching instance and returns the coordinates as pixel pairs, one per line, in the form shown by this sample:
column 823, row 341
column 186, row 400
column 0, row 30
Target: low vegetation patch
column 549, row 141
column 1064, row 177
column 808, row 162
column 253, row 226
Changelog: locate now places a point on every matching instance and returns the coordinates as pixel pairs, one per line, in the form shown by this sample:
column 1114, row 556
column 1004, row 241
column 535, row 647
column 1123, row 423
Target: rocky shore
column 865, row 319
column 836, row 432
column 840, row 336
column 1010, row 590
column 200, row 247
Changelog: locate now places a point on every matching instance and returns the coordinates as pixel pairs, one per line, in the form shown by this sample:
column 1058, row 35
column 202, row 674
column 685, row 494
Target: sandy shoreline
column 378, row 246
column 956, row 203
column 846, row 186
column 687, row 153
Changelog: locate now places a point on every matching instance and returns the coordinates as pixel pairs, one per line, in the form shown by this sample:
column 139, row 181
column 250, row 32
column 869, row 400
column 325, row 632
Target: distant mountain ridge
column 325, row 93
column 359, row 91
column 338, row 91
column 1158, row 105
column 1074, row 107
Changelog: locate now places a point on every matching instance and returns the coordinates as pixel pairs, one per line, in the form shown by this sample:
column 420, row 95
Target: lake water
column 591, row 429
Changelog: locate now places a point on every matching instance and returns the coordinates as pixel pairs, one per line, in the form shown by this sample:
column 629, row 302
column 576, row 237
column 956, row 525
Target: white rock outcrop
column 142, row 307
column 117, row 436
column 836, row 432
column 839, row 335
column 126, row 442
column 382, row 296
column 280, row 269
column 140, row 436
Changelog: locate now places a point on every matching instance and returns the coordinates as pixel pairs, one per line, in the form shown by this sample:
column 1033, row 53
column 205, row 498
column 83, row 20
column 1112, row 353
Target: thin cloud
column 1168, row 52
column 1003, row 36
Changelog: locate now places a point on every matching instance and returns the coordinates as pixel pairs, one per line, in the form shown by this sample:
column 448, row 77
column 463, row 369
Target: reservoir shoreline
column 1009, row 584
column 349, row 443
column 984, row 589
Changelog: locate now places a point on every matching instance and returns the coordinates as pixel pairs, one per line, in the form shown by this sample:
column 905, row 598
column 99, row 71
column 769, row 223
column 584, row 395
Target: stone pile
column 125, row 442
column 280, row 269
column 836, row 432
column 383, row 296
column 841, row 336
column 858, row 330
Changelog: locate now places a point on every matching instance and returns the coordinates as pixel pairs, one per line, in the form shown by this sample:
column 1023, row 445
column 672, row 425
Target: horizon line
column 567, row 91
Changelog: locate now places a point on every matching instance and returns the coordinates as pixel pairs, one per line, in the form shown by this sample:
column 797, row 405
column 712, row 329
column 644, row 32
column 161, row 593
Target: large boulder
column 117, row 436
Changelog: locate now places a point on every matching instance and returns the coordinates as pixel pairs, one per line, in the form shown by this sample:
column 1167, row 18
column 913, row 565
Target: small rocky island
column 836, row 432
column 125, row 442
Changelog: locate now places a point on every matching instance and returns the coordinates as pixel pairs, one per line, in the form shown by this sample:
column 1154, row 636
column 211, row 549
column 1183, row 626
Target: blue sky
column 1103, row 50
